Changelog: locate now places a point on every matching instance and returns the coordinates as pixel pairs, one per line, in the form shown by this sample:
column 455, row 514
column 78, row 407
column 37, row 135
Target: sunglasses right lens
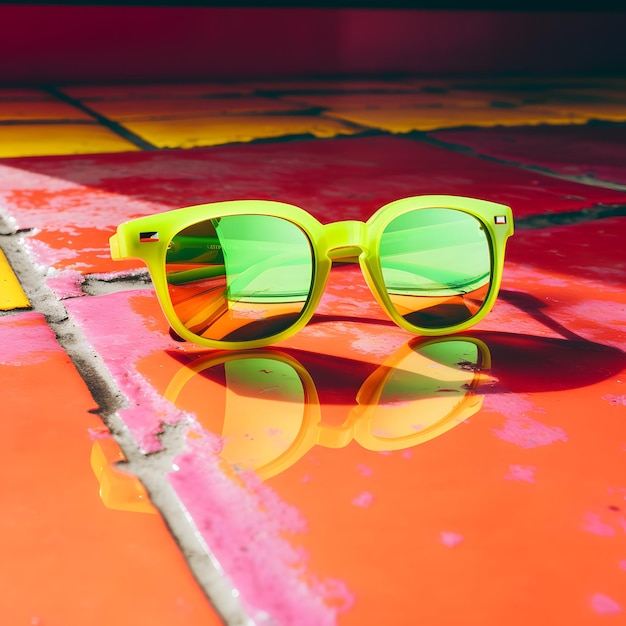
column 239, row 277
column 436, row 266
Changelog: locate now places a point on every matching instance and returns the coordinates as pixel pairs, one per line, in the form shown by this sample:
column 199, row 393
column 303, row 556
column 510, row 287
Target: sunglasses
column 249, row 273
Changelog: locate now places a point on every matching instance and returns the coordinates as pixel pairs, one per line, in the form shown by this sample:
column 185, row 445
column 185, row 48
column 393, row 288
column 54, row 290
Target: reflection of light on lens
column 265, row 405
column 436, row 265
column 239, row 277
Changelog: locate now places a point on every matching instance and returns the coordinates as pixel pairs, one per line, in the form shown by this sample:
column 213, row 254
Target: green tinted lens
column 239, row 277
column 436, row 266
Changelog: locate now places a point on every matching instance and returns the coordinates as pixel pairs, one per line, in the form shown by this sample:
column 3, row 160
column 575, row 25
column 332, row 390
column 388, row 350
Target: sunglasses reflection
column 271, row 407
column 119, row 490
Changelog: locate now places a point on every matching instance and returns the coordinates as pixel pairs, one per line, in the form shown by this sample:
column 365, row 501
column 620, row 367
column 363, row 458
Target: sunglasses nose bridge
column 344, row 240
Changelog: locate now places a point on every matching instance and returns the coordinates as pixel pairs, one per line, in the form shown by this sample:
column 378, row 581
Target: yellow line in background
column 12, row 295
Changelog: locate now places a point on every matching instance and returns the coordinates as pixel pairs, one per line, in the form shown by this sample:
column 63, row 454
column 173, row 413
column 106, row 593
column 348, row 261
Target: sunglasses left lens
column 239, row 277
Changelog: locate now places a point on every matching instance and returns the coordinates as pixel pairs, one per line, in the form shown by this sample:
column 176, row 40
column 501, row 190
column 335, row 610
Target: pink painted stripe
column 247, row 525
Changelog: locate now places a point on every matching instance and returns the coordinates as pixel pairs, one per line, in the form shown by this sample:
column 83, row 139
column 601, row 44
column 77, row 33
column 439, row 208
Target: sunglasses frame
column 147, row 238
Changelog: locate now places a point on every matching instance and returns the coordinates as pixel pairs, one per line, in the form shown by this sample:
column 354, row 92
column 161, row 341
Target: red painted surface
column 515, row 514
column 117, row 43
column 67, row 559
column 333, row 179
column 595, row 151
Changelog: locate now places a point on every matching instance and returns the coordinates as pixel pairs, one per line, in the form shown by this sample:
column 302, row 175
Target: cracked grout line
column 361, row 130
column 568, row 218
column 460, row 149
column 118, row 129
column 151, row 469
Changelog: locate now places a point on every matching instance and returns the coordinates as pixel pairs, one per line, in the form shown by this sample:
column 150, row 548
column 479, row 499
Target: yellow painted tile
column 12, row 295
column 49, row 139
column 426, row 119
column 151, row 90
column 40, row 110
column 178, row 108
column 209, row 131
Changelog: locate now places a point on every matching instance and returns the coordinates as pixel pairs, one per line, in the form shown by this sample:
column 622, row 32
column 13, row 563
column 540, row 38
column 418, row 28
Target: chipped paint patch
column 66, row 283
column 450, row 539
column 519, row 428
column 521, row 473
column 365, row 470
column 529, row 433
column 56, row 201
column 122, row 337
column 605, row 605
column 364, row 499
column 17, row 351
column 594, row 525
column 615, row 400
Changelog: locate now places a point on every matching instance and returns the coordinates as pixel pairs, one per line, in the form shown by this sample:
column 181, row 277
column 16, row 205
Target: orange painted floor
column 157, row 482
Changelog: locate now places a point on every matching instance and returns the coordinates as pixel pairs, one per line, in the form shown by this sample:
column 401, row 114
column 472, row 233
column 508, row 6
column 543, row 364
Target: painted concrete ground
column 495, row 492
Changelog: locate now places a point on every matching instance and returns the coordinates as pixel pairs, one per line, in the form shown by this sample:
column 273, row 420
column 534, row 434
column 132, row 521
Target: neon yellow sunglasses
column 248, row 273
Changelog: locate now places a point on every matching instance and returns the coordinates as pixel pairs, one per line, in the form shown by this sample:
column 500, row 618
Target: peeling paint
column 123, row 338
column 615, row 400
column 521, row 473
column 364, row 499
column 529, row 433
column 605, row 605
column 594, row 525
column 66, row 284
column 519, row 428
column 365, row 470
column 451, row 539
column 247, row 526
column 16, row 351
column 54, row 201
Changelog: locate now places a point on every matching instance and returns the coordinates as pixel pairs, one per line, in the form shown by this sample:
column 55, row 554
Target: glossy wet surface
column 353, row 474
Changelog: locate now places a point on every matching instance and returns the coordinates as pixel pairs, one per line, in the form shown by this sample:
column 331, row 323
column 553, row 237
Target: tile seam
column 460, row 149
column 150, row 469
column 120, row 130
column 567, row 218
